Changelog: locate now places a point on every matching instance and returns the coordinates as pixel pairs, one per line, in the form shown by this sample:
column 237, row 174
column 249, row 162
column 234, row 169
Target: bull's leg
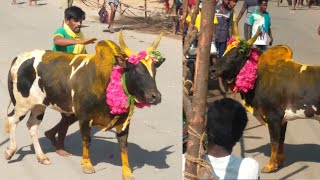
column 32, row 124
column 122, row 137
column 275, row 128
column 11, row 122
column 86, row 140
column 281, row 155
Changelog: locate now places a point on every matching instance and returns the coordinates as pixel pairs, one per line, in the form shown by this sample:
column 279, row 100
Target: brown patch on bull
column 7, row 125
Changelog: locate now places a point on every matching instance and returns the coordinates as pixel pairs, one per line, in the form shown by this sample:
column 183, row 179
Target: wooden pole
column 199, row 102
column 145, row 10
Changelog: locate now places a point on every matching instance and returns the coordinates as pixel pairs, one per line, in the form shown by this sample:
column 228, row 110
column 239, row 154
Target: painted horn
column 155, row 44
column 253, row 39
column 235, row 31
column 127, row 51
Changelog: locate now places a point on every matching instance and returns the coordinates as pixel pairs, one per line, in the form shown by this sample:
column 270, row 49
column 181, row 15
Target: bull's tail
column 6, row 123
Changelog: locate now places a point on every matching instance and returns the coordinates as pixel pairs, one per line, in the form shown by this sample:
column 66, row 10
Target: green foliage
column 157, row 55
column 243, row 46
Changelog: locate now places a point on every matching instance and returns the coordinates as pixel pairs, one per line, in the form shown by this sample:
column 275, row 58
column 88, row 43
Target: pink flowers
column 134, row 59
column 247, row 76
column 116, row 97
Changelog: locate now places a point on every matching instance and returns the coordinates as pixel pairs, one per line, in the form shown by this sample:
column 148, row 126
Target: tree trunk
column 199, row 102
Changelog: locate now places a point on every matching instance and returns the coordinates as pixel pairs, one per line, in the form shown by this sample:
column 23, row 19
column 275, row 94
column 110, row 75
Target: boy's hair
column 236, row 1
column 260, row 1
column 75, row 13
column 226, row 120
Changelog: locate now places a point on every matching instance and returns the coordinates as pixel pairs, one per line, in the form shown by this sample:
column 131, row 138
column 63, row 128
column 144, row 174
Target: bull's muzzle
column 153, row 98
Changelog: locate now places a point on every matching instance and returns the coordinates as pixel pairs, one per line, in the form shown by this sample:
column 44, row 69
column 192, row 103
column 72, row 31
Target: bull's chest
column 108, row 122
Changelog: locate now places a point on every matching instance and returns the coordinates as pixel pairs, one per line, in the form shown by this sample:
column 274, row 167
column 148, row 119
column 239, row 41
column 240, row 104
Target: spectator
column 223, row 24
column 260, row 19
column 68, row 39
column 250, row 6
column 113, row 5
column 226, row 120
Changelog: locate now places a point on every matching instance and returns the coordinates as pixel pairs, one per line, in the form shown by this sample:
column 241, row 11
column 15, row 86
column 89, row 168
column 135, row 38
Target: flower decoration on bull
column 247, row 76
column 117, row 96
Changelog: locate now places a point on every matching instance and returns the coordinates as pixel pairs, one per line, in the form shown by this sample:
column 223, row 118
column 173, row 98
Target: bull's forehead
column 148, row 64
column 230, row 46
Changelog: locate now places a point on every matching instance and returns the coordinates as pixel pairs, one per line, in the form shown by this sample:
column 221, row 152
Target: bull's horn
column 155, row 44
column 123, row 46
column 253, row 39
column 235, row 31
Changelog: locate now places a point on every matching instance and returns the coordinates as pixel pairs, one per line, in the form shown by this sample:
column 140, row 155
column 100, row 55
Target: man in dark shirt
column 223, row 24
column 250, row 6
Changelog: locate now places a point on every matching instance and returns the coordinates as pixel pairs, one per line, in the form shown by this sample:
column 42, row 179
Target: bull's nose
column 155, row 98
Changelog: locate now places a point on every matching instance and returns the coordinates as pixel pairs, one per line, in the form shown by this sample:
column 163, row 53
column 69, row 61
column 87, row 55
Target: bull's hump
column 275, row 54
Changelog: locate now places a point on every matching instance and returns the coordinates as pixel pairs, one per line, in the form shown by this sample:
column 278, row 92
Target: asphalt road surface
column 298, row 30
column 155, row 133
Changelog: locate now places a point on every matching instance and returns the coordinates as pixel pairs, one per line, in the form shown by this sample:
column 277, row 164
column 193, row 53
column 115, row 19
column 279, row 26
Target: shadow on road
column 294, row 152
column 103, row 151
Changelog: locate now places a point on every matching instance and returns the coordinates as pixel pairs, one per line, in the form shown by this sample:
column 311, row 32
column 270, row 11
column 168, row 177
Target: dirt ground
column 130, row 15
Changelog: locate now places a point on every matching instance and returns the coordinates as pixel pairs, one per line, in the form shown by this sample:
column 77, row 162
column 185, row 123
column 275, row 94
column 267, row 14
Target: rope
column 199, row 161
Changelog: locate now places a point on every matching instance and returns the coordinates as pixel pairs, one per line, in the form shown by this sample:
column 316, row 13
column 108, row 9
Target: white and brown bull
column 76, row 85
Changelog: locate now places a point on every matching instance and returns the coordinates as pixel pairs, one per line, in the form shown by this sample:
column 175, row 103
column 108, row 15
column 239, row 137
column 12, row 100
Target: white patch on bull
column 84, row 62
column 303, row 68
column 57, row 108
column 72, row 94
column 36, row 96
column 298, row 114
column 314, row 108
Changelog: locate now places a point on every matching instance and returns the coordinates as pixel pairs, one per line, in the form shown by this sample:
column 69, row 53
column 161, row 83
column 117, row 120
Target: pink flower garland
column 116, row 98
column 247, row 76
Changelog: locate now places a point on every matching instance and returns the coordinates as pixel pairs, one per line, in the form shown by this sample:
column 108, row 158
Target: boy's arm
column 61, row 41
column 244, row 8
column 271, row 38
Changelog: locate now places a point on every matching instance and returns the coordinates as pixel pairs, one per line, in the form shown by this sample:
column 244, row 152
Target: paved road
column 155, row 134
column 297, row 30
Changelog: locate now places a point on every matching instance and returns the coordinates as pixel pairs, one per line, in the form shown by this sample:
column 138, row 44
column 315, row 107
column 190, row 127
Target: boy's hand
column 271, row 41
column 88, row 41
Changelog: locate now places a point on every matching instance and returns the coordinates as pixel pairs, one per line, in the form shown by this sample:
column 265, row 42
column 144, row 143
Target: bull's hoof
column 269, row 168
column 127, row 177
column 9, row 153
column 87, row 167
column 43, row 159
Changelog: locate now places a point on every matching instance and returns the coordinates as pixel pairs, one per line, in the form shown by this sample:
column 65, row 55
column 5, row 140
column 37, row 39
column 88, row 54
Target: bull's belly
column 291, row 115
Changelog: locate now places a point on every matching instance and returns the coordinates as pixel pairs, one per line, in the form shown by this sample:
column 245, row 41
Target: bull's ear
column 121, row 60
column 159, row 62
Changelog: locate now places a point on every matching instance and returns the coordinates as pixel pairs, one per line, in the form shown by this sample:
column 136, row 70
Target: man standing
column 223, row 24
column 260, row 19
column 68, row 39
column 250, row 6
column 113, row 5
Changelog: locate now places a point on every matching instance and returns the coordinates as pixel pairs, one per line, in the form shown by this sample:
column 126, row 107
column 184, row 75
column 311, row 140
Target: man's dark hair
column 236, row 1
column 226, row 120
column 75, row 13
column 260, row 1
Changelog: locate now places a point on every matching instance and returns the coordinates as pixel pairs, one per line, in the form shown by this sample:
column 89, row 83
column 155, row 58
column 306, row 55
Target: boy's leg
column 65, row 122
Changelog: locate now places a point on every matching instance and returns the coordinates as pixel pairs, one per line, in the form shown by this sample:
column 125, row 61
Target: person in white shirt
column 226, row 120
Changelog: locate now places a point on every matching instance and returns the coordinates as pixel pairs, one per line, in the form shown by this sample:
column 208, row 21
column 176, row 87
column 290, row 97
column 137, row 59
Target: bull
column 283, row 90
column 76, row 85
